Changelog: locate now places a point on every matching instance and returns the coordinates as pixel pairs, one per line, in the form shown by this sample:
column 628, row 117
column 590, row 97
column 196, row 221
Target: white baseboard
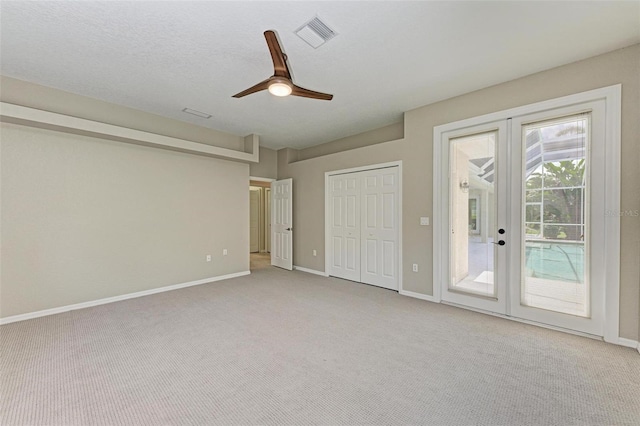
column 61, row 309
column 628, row 343
column 417, row 295
column 309, row 271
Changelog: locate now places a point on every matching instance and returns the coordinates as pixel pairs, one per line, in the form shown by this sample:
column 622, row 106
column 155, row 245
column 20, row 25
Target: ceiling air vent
column 315, row 33
column 197, row 113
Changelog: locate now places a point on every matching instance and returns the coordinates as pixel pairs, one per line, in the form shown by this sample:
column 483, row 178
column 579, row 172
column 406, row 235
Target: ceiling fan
column 280, row 83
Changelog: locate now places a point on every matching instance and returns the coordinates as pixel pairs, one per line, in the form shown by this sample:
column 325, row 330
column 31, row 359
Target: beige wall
column 32, row 95
column 415, row 150
column 388, row 133
column 84, row 218
column 268, row 165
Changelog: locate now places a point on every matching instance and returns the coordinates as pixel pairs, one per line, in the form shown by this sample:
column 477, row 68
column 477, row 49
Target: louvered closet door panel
column 345, row 226
column 379, row 230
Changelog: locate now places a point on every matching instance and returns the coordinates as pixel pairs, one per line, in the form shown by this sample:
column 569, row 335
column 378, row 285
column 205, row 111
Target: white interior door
column 282, row 223
column 254, row 220
column 363, row 226
column 379, row 227
column 344, row 196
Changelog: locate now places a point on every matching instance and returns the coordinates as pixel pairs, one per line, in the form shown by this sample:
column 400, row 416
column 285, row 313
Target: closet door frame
column 328, row 251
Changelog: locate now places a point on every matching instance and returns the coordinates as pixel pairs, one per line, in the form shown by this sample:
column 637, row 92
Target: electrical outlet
column 208, row 258
column 225, row 252
column 315, row 253
column 415, row 267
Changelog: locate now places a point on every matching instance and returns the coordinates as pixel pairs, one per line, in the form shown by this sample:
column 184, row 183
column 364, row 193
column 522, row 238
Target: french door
column 477, row 252
column 557, row 266
column 523, row 222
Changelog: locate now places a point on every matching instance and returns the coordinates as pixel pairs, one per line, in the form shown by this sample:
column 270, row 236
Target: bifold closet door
column 364, row 226
column 345, row 226
column 379, row 227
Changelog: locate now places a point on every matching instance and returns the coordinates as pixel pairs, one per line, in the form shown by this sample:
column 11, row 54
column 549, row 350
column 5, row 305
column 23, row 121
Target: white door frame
column 611, row 95
column 327, row 204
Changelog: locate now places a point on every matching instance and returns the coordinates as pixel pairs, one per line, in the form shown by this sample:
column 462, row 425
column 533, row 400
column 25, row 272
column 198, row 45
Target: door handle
column 500, row 243
column 289, row 229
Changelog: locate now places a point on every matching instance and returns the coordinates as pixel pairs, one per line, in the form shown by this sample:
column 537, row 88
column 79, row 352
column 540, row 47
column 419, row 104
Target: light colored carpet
column 281, row 347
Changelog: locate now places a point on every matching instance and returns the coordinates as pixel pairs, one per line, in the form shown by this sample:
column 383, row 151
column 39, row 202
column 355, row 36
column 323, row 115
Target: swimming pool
column 555, row 260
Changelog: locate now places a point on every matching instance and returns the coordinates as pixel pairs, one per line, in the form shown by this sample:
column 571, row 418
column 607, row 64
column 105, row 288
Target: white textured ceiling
column 389, row 57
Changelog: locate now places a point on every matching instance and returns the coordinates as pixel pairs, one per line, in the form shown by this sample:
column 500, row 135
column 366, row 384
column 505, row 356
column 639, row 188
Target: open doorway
column 260, row 223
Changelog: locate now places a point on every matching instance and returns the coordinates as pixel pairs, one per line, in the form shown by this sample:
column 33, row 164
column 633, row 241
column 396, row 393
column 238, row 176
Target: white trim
column 309, row 271
column 364, row 168
column 613, row 126
column 65, row 123
column 401, row 209
column 436, row 216
column 327, row 213
column 327, row 230
column 61, row 309
column 622, row 341
column 261, row 179
column 417, row 295
column 612, row 96
column 611, row 92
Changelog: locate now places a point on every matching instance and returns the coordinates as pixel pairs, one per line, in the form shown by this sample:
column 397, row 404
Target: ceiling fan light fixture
column 280, row 83
column 280, row 88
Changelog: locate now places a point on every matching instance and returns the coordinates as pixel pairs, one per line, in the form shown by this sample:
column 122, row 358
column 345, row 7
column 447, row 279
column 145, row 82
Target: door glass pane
column 473, row 214
column 555, row 215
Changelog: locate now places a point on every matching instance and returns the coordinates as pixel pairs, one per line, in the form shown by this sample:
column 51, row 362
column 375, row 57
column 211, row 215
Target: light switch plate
column 424, row 221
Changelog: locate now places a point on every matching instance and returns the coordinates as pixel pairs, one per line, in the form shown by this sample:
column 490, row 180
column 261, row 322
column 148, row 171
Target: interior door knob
column 289, row 229
column 500, row 243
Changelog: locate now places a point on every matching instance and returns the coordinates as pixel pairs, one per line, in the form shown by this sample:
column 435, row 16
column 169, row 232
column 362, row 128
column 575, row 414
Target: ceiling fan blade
column 280, row 68
column 306, row 93
column 263, row 85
